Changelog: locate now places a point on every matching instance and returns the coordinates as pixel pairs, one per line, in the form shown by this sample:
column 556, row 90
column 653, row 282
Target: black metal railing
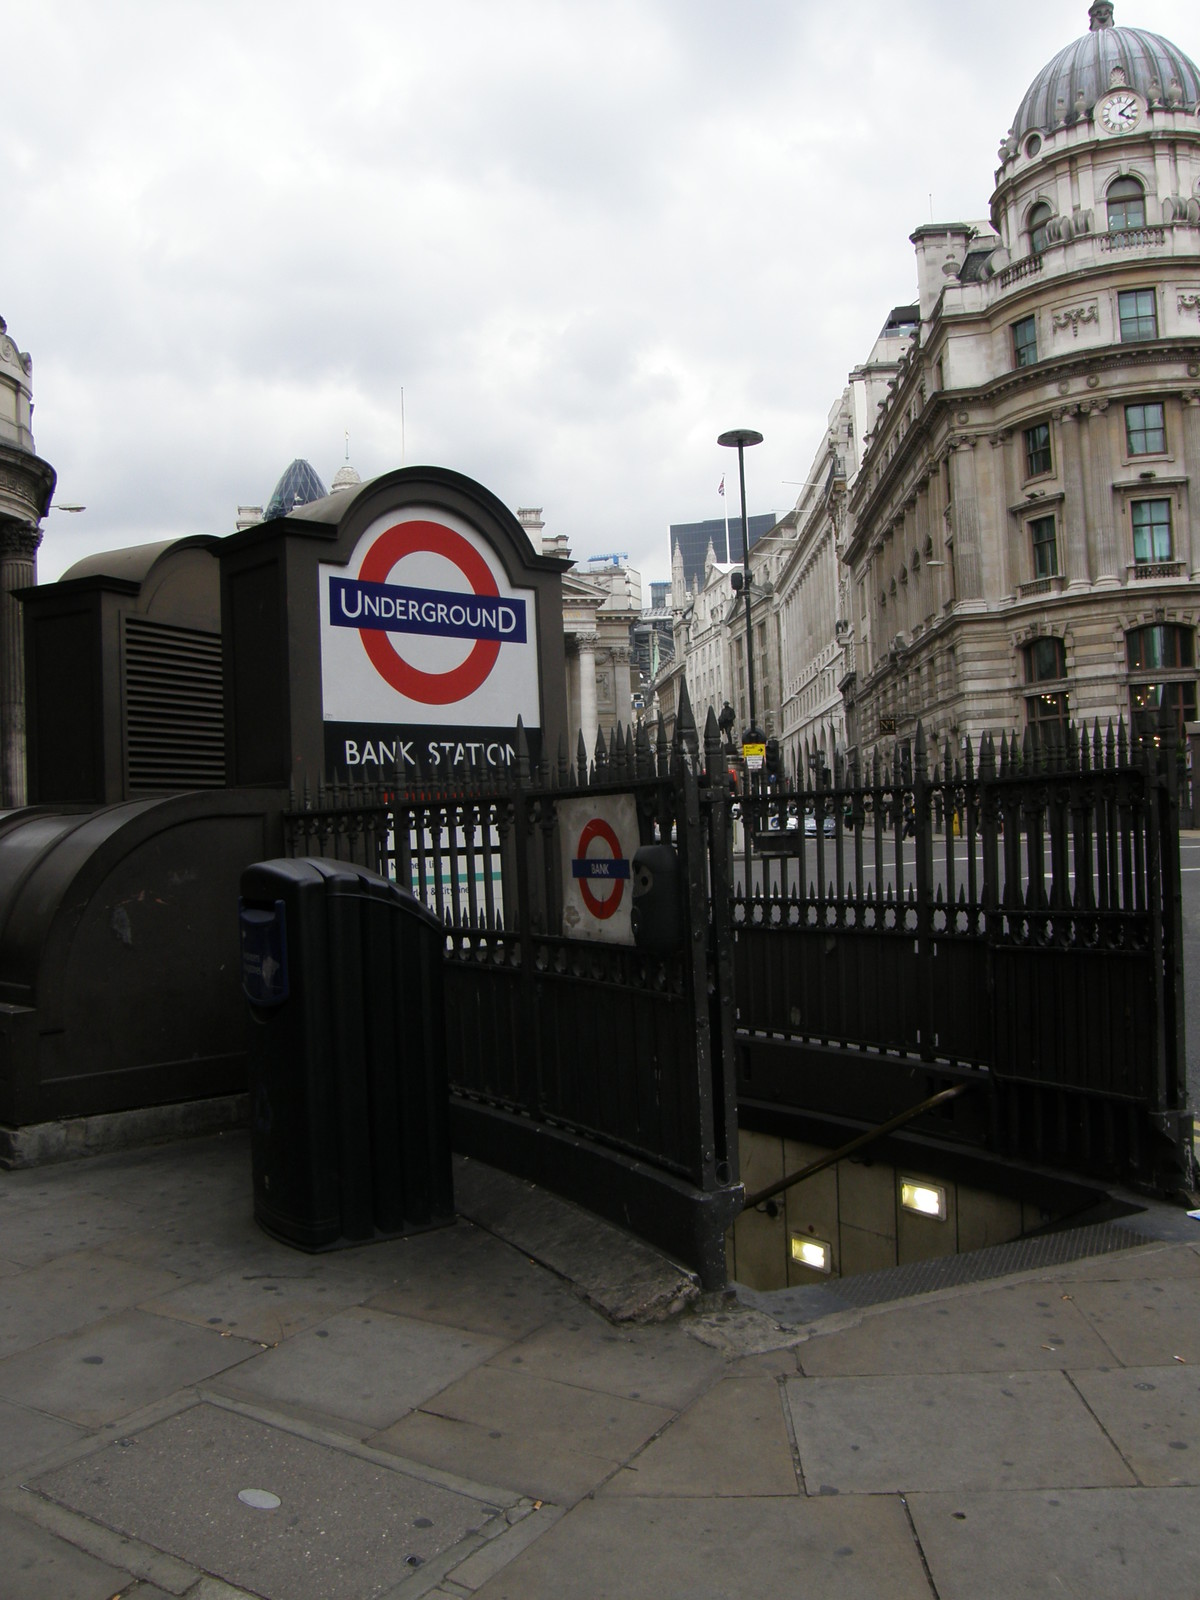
column 586, row 1064
column 1010, row 911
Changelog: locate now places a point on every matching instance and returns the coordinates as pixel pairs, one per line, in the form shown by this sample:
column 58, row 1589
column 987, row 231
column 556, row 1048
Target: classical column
column 1097, row 462
column 18, row 570
column 622, row 686
column 1075, row 551
column 587, row 690
column 1188, row 539
column 1002, row 581
column 964, row 513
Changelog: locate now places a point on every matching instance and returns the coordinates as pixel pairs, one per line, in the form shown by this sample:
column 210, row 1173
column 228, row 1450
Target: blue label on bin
column 264, row 954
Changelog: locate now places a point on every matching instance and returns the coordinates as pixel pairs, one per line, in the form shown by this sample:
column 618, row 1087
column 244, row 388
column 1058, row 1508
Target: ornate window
column 1047, row 710
column 1045, row 547
column 1168, row 653
column 1139, row 315
column 1151, row 531
column 1126, row 203
column 1038, row 218
column 1024, row 338
column 1145, row 429
column 1160, row 645
column 1037, row 450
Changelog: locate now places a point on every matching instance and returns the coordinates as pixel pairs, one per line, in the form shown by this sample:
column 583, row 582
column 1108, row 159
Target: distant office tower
column 694, row 538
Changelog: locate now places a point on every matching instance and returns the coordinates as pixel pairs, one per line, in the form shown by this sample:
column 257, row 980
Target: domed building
column 1023, row 537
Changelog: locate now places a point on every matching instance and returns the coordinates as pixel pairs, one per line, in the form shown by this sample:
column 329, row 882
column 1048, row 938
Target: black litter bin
column 347, row 1065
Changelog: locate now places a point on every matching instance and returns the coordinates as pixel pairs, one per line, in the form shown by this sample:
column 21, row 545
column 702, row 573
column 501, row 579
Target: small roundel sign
column 599, row 837
column 598, row 863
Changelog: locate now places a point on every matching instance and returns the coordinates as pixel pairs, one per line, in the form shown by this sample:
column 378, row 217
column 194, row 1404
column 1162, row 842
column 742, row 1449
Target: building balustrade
column 1019, row 269
column 1132, row 238
column 1142, row 570
column 1051, row 585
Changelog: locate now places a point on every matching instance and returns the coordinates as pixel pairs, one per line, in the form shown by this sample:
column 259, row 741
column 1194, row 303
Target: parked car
column 828, row 826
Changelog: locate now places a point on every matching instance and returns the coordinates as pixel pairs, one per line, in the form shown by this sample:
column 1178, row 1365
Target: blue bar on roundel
column 600, row 867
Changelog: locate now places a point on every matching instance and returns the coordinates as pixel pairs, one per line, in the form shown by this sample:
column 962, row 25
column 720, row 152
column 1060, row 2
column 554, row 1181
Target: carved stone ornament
column 18, row 540
column 1189, row 300
column 1072, row 316
column 17, row 485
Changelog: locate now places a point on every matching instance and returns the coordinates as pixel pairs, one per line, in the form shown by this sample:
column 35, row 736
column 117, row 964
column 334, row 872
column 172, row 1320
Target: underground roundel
column 422, row 626
column 599, row 836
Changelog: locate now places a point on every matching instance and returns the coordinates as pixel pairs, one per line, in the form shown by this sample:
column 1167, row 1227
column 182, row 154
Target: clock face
column 1119, row 113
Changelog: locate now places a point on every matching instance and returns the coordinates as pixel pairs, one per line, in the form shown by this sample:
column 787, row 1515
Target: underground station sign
column 428, row 653
column 598, row 838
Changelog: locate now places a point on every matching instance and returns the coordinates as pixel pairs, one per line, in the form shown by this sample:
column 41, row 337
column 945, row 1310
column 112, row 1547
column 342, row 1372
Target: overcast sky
column 583, row 239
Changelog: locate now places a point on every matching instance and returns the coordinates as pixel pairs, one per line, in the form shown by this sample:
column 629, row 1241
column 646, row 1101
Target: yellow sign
column 754, row 755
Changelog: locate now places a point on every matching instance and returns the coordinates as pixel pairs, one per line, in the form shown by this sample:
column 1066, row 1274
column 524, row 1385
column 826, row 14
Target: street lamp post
column 741, row 438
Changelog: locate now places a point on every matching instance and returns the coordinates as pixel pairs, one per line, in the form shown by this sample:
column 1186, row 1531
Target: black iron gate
column 1008, row 919
column 602, row 1071
column 1009, row 916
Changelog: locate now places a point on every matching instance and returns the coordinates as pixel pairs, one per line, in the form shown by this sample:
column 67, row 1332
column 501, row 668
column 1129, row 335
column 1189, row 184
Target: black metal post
column 741, row 450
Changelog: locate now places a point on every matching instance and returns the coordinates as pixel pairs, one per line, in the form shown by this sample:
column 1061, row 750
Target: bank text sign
column 428, row 653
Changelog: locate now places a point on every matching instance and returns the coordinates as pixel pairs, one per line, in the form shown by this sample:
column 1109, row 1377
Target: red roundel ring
column 430, row 688
column 597, row 828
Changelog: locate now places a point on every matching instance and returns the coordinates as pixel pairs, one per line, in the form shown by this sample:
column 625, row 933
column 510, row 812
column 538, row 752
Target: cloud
column 582, row 240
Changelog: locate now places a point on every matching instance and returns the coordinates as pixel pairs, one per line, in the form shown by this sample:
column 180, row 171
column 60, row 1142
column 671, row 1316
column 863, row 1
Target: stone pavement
column 187, row 1408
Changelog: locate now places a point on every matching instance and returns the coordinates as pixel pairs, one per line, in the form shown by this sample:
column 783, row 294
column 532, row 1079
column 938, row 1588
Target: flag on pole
column 721, row 485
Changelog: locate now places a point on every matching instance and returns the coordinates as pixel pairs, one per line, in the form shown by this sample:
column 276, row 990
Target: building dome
column 299, row 486
column 345, row 478
column 1069, row 86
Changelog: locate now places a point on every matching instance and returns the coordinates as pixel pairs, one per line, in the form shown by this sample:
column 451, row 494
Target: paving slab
column 116, row 1366
column 35, row 1565
column 361, row 1369
column 732, row 1441
column 343, row 1526
column 650, row 1363
column 1152, row 1415
column 615, row 1271
column 264, row 1306
column 28, row 1435
column 40, row 1222
column 546, row 1466
column 64, row 1294
column 1008, row 1328
column 539, row 1410
column 1143, row 1322
column 1152, row 1261
column 876, row 1435
column 465, row 1278
column 1097, row 1544
column 789, row 1548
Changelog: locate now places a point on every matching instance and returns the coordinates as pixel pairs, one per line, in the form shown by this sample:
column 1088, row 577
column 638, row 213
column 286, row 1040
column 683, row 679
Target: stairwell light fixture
column 815, row 1254
column 923, row 1199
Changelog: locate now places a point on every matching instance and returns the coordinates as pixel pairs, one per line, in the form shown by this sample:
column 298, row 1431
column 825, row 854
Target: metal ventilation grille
column 174, row 711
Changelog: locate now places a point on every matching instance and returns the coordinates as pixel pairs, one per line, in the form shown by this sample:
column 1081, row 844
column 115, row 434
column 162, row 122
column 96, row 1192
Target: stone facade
column 1024, row 545
column 26, row 487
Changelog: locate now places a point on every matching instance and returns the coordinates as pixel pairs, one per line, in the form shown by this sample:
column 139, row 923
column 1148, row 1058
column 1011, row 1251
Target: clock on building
column 1119, row 112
